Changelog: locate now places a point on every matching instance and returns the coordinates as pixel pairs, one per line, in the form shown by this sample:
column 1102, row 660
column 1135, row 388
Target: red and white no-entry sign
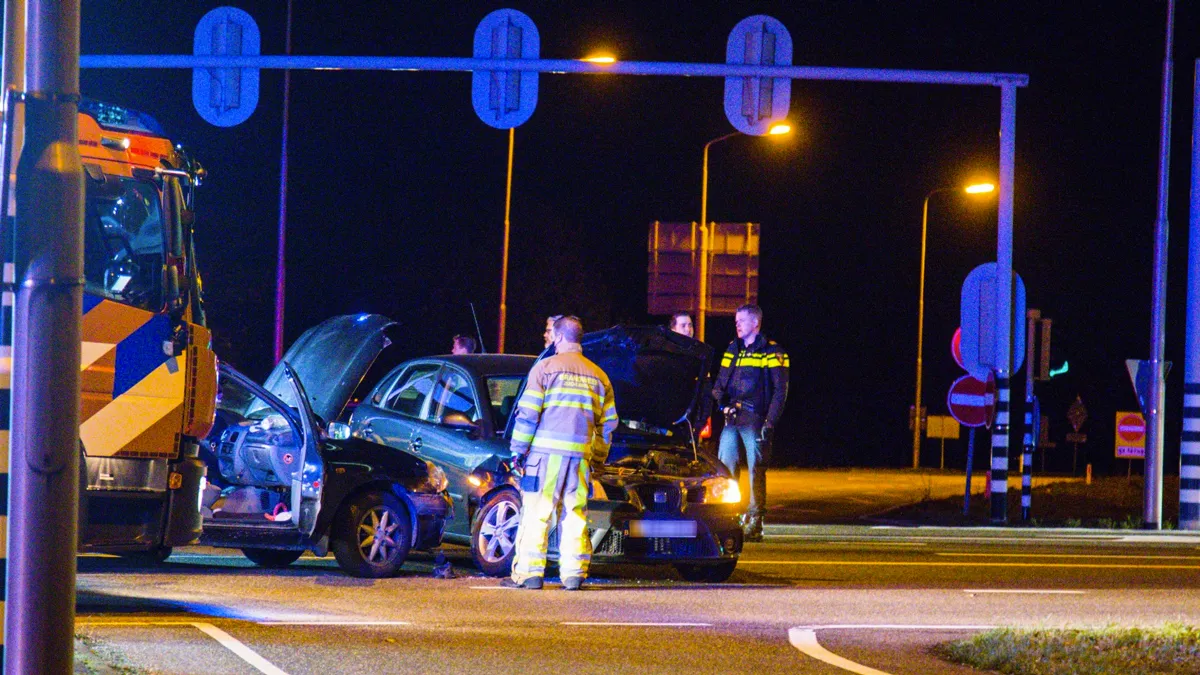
column 956, row 348
column 1131, row 435
column 971, row 402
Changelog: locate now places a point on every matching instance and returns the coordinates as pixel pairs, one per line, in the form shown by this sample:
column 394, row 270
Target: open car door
column 308, row 482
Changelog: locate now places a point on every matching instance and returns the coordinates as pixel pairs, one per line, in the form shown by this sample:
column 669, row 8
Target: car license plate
column 662, row 528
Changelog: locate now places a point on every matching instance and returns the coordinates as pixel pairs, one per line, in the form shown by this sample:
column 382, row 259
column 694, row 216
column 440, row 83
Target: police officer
column 565, row 420
column 751, row 390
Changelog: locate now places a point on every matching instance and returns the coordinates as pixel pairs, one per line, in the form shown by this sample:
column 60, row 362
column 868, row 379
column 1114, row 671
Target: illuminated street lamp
column 979, row 188
column 778, row 129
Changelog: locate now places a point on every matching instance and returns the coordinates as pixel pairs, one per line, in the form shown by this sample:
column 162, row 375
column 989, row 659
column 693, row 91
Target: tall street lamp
column 980, row 188
column 702, row 296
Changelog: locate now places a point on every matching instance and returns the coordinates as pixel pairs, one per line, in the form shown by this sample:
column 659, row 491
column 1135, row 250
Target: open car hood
column 331, row 358
column 659, row 377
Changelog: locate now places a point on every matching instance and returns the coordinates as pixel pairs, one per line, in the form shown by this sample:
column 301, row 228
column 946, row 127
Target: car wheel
column 494, row 534
column 271, row 558
column 372, row 535
column 712, row 574
column 154, row 556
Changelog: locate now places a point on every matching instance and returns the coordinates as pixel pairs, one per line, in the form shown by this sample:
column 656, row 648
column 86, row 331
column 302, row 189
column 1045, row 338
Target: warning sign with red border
column 1130, row 435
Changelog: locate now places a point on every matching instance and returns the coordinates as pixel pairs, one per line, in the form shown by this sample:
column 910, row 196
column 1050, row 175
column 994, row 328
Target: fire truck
column 148, row 373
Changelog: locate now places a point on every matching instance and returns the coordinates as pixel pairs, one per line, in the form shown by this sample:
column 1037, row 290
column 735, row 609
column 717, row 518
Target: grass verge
column 1171, row 649
column 1110, row 502
column 96, row 657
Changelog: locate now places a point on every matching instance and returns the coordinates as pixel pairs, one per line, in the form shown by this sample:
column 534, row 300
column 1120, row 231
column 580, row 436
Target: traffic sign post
column 225, row 96
column 505, row 98
column 972, row 402
column 753, row 104
column 980, row 340
column 1130, row 436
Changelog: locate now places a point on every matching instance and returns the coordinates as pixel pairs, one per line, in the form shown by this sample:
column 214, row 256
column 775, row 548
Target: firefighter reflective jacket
column 756, row 376
column 567, row 408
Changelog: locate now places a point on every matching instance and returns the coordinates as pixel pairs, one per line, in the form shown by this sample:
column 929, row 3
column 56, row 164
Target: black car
column 279, row 485
column 657, row 500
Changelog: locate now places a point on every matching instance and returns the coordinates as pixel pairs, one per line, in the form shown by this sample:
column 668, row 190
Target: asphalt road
column 808, row 600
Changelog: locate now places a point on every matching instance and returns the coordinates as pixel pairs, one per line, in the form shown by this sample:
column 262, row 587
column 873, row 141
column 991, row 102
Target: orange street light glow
column 981, row 187
column 603, row 59
column 780, row 129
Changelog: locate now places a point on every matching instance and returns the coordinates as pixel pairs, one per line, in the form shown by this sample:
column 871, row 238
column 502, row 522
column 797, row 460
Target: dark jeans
column 727, row 451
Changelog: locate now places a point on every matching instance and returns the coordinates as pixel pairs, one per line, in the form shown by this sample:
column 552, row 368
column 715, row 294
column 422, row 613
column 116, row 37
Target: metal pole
column 504, row 257
column 1189, row 448
column 916, row 437
column 705, row 241
column 12, row 79
column 44, row 498
column 1004, row 290
column 1031, row 318
column 970, row 461
column 1152, row 496
column 280, row 268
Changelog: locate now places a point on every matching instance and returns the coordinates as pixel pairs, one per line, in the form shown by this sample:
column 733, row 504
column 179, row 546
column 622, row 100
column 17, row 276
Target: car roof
column 489, row 364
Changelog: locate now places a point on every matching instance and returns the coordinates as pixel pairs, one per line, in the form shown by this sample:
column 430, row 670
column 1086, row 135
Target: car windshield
column 235, row 397
column 502, row 394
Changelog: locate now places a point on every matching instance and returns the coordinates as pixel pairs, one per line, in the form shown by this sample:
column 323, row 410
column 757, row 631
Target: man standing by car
column 751, row 390
column 462, row 344
column 564, row 425
column 549, row 331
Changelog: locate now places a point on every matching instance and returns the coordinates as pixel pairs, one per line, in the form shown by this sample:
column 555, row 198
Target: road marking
column 908, row 563
column 873, row 543
column 1071, row 555
column 669, row 624
column 225, row 639
column 892, row 626
column 1023, row 591
column 248, row 655
column 335, row 622
column 806, row 641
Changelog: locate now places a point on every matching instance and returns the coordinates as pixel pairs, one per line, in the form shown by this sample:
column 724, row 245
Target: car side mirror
column 339, row 431
column 460, row 422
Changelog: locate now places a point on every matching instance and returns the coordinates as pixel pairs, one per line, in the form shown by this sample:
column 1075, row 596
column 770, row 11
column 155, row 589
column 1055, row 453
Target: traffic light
column 1052, row 360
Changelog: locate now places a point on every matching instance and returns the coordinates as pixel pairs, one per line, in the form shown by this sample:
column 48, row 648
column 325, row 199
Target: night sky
column 396, row 190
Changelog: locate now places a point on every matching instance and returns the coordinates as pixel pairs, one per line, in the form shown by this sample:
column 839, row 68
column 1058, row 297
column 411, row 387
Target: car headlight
column 437, row 478
column 722, row 490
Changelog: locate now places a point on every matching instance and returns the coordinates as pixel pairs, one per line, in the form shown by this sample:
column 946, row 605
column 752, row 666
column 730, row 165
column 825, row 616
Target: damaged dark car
column 279, row 484
column 657, row 500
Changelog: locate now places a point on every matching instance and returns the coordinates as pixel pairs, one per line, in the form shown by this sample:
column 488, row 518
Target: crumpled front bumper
column 431, row 512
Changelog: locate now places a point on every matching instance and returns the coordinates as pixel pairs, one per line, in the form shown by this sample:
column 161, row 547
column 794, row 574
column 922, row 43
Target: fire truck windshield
column 123, row 242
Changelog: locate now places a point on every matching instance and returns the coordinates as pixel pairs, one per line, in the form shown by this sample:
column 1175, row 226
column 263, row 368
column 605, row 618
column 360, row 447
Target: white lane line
column 1117, row 556
column 892, row 626
column 668, row 624
column 873, row 543
column 245, row 653
column 964, row 563
column 335, row 622
column 806, row 641
column 1023, row 591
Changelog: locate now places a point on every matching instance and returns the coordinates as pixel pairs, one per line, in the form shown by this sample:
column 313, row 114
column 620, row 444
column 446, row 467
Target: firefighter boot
column 752, row 530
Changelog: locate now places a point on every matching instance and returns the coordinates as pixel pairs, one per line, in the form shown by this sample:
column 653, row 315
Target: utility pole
column 44, row 498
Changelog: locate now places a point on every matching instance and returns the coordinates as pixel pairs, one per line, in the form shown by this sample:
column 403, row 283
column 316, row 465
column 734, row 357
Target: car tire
column 711, row 573
column 155, row 556
column 494, row 533
column 371, row 535
column 271, row 558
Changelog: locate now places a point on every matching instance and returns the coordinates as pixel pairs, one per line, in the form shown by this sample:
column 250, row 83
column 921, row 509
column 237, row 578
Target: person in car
column 751, row 390
column 564, row 423
column 463, row 344
column 681, row 322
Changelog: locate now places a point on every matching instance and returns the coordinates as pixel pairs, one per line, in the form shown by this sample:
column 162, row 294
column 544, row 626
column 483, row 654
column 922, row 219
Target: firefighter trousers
column 553, row 483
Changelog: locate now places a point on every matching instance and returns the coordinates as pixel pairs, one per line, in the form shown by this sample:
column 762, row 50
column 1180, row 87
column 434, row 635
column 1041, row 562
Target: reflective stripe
column 522, row 436
column 569, row 404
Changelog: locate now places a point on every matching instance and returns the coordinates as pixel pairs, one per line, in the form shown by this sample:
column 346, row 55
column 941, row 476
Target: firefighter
column 565, row 420
column 751, row 390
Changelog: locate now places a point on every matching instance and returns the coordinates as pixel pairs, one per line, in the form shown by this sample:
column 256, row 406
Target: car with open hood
column 279, row 484
column 658, row 499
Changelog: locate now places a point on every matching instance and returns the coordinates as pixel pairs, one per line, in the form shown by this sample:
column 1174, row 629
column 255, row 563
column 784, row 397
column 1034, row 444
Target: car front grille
column 617, row 542
column 659, row 497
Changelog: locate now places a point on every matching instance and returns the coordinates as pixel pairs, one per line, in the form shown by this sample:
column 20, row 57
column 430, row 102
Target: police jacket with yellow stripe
column 755, row 375
column 567, row 408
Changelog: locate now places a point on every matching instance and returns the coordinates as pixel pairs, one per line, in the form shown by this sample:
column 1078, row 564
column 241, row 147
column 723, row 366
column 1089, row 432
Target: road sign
column 1131, row 435
column 1139, row 374
column 942, row 426
column 972, row 402
column 979, row 321
column 1077, row 414
column 225, row 96
column 956, row 348
column 753, row 104
column 673, row 267
column 1077, row 438
column 505, row 98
